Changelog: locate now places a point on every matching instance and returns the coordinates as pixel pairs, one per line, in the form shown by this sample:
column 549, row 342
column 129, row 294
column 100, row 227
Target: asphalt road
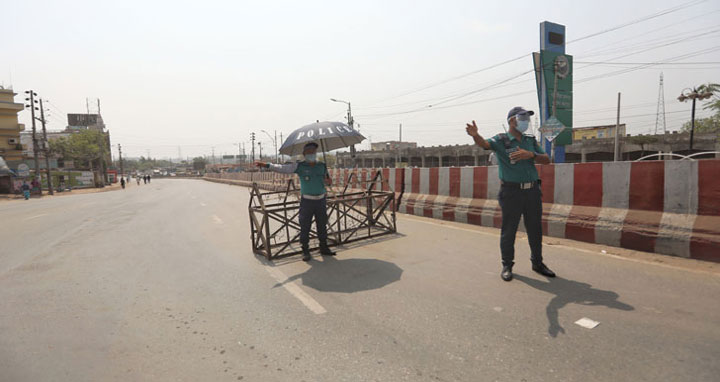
column 158, row 283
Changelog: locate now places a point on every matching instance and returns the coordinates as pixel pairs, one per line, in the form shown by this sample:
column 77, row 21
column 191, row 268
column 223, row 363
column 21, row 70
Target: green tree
column 87, row 149
column 704, row 125
column 199, row 163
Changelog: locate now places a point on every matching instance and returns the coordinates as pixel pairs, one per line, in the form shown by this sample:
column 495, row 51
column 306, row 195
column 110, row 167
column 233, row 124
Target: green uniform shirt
column 523, row 170
column 312, row 178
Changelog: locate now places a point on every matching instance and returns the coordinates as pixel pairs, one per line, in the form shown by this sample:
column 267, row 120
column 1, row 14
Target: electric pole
column 122, row 169
column 260, row 148
column 45, row 149
column 401, row 132
column 213, row 155
column 617, row 132
column 281, row 142
column 34, row 131
column 252, row 140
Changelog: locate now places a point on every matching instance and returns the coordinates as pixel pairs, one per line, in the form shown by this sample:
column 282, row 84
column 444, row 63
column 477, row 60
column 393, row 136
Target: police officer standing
column 313, row 178
column 520, row 194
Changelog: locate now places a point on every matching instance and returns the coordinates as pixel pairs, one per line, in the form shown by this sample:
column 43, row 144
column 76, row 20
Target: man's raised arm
column 288, row 168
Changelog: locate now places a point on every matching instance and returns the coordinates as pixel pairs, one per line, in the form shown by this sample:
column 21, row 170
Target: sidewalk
column 14, row 197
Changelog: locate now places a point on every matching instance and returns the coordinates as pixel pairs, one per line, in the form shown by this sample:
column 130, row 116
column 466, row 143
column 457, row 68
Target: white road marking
column 217, row 219
column 295, row 290
column 587, row 323
column 34, row 217
column 202, row 204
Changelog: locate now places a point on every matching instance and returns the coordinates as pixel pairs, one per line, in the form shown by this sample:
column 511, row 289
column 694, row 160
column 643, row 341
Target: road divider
column 667, row 207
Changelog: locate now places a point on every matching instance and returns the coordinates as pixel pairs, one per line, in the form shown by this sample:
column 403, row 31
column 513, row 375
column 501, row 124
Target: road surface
column 158, row 283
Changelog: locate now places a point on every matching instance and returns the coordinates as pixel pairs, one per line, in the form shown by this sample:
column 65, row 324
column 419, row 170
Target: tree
column 87, row 149
column 199, row 163
column 704, row 125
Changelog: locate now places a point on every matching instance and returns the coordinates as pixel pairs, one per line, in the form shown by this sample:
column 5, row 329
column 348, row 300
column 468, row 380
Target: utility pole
column 276, row 148
column 252, row 140
column 617, row 132
column 260, row 148
column 281, row 142
column 213, row 155
column 34, row 131
column 401, row 132
column 45, row 149
column 122, row 169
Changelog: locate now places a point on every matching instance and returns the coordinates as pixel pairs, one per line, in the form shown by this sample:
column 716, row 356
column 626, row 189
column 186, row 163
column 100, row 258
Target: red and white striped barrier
column 669, row 207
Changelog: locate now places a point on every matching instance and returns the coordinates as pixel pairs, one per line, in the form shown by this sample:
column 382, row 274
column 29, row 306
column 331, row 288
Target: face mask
column 310, row 157
column 522, row 126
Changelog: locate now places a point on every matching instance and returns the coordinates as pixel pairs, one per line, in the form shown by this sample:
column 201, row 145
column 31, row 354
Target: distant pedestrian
column 520, row 193
column 137, row 178
column 26, row 190
column 149, row 178
column 36, row 186
column 122, row 182
column 145, row 179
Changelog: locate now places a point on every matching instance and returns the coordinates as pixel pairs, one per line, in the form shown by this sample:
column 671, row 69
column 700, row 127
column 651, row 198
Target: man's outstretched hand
column 260, row 164
column 472, row 130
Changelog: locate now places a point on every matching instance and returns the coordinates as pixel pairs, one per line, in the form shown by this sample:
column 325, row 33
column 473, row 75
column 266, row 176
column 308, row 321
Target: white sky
column 198, row 74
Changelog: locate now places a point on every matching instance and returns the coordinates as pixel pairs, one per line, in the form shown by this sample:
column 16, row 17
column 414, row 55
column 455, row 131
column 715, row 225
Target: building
column 11, row 148
column 596, row 132
column 580, row 151
column 392, row 145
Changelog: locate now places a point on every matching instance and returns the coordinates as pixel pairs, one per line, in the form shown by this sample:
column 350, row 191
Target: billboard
column 82, row 119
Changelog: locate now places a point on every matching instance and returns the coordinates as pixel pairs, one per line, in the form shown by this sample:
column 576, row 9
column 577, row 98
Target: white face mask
column 522, row 126
column 311, row 157
column 522, row 122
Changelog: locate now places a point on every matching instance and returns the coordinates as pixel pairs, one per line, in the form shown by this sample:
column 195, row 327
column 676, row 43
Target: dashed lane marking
column 295, row 290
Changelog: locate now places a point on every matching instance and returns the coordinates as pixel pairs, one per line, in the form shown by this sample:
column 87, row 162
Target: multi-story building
column 392, row 145
column 11, row 148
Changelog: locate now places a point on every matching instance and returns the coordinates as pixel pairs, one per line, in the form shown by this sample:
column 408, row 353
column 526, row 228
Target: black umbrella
column 328, row 135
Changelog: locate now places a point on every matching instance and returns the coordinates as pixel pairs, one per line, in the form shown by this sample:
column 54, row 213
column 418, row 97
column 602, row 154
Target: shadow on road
column 348, row 275
column 571, row 292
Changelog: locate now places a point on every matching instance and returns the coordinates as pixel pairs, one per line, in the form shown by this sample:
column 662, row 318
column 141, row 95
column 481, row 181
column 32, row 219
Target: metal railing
column 682, row 157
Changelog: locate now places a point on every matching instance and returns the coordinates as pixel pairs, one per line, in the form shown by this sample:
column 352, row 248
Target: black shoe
column 506, row 273
column 306, row 255
column 326, row 251
column 543, row 270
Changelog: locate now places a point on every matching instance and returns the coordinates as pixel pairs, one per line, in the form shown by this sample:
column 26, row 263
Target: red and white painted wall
column 669, row 207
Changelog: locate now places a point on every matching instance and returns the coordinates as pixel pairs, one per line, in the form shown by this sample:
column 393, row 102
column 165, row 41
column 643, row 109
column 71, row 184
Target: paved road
column 157, row 283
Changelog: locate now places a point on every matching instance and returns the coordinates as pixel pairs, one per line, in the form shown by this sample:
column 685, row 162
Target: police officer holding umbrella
column 313, row 175
column 520, row 194
column 313, row 179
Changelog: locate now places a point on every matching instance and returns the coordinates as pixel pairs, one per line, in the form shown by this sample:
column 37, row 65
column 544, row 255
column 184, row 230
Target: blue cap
column 519, row 110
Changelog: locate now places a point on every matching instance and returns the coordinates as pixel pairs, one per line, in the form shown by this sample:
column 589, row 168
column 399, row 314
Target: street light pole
column 693, row 94
column 351, row 122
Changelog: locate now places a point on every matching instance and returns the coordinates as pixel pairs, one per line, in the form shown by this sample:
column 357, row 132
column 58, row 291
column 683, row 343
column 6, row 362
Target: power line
column 641, row 19
column 617, row 27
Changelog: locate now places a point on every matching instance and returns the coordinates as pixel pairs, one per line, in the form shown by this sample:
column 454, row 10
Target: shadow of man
column 571, row 292
column 347, row 275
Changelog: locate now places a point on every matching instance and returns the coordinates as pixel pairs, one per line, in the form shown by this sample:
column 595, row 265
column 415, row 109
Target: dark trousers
column 514, row 203
column 308, row 209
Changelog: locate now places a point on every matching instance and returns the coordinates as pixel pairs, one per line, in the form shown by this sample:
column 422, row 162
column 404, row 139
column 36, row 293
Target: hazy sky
column 197, row 74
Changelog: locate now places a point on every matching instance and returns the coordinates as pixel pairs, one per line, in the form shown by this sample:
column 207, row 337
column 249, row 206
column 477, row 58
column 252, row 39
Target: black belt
column 522, row 186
